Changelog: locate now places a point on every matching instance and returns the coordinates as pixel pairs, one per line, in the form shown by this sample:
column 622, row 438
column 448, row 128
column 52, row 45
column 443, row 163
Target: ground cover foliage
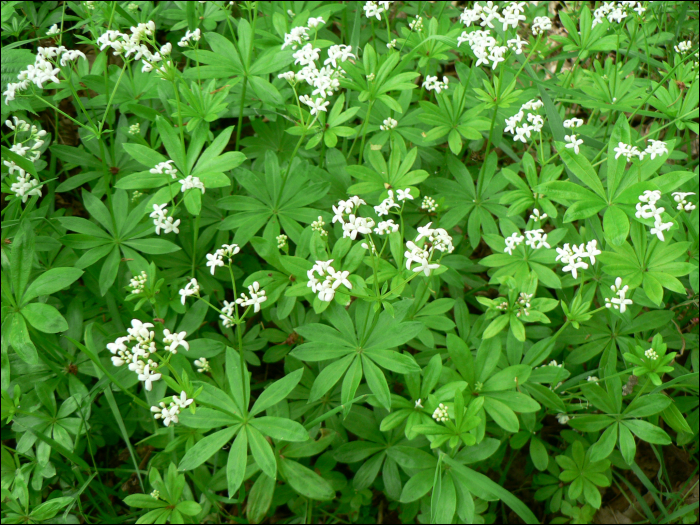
column 334, row 262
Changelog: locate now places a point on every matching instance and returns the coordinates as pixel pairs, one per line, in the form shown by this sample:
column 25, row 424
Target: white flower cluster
column 162, row 221
column 324, row 81
column 416, row 24
column 593, row 379
column 484, row 46
column 203, row 365
column 190, row 289
column 190, row 36
column 572, row 256
column 43, row 70
column 135, row 129
column 328, row 280
column 138, row 355
column 296, row 37
column 441, row 415
column 651, row 354
column 216, row 259
column 523, row 304
column 646, row 209
column 541, row 24
column 257, row 297
column 437, row 239
column 573, row 123
column 432, row 83
column 513, row 242
column 169, row 414
column 620, row 302
column 317, row 226
column 25, row 186
column 534, row 122
column 352, row 225
column 53, row 30
column 536, row 216
column 135, row 44
column 138, row 283
column 616, row 11
column 512, row 15
column 562, row 418
column 227, row 314
column 385, row 207
column 683, row 205
column 165, row 168
column 281, row 241
column 429, row 204
column 375, row 9
column 655, row 147
column 389, row 124
column 683, row 47
column 190, row 182
column 536, row 239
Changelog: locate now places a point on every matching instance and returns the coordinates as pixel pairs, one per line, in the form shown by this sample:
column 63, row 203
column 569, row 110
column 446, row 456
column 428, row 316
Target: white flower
column 620, row 302
column 541, row 24
column 593, row 379
column 316, row 105
column 683, row 47
column 402, row 195
column 536, row 239
column 172, row 341
column 592, row 250
column 203, row 365
column 392, row 44
column 355, row 225
column 656, row 147
column 626, row 150
column 418, row 404
column 573, row 143
column 417, row 24
column 563, row 419
column 25, row 186
column 512, row 242
column 182, row 401
column 315, row 22
column 660, row 227
column 192, row 288
column 214, row 260
column 385, row 227
column 536, row 216
column 683, row 204
column 338, row 53
column 651, row 354
column 257, row 297
column 441, row 414
column 281, row 241
column 165, row 168
column 190, row 36
column 573, row 123
column 432, row 83
column 332, row 280
column 191, row 182
column 516, row 44
column 149, row 377
column 306, row 55
column 155, row 494
column 388, row 124
column 318, row 225
column 53, row 30
column 138, row 283
column 429, row 204
column 296, row 37
column 372, row 9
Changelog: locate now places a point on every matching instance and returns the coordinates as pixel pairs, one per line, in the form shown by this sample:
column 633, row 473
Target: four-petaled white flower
column 573, row 143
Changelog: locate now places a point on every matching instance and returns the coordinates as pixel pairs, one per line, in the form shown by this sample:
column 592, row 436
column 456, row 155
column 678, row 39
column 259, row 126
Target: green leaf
column 22, row 258
column 260, row 498
column 188, row 508
column 236, row 464
column 144, row 501
column 262, row 452
column 418, row 486
column 44, row 318
column 153, row 246
column 51, row 281
column 538, row 454
column 616, row 225
column 581, row 167
column 394, row 361
column 605, row 444
column 648, row 405
column 20, row 341
column 280, row 428
column 376, row 382
column 109, row 270
column 446, row 501
column 276, row 392
column 305, row 481
column 480, row 486
column 501, row 414
column 648, row 432
column 205, row 448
